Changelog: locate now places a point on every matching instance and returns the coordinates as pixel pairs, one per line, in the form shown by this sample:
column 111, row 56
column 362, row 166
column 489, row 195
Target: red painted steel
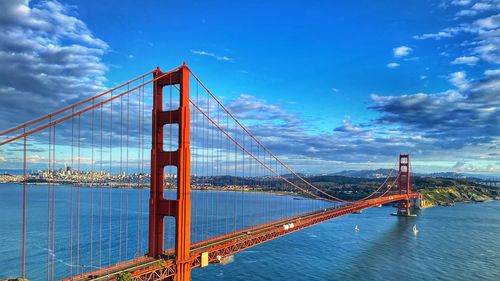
column 159, row 207
column 404, row 183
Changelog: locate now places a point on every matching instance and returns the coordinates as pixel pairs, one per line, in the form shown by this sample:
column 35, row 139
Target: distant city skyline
column 326, row 86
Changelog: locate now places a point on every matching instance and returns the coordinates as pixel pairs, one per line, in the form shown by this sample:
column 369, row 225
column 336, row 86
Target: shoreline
column 146, row 186
column 193, row 188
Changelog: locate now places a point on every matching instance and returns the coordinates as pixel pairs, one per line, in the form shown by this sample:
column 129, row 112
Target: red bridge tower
column 159, row 207
column 404, row 185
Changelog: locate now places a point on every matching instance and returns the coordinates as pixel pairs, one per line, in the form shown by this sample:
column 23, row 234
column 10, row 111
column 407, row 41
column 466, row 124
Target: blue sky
column 351, row 83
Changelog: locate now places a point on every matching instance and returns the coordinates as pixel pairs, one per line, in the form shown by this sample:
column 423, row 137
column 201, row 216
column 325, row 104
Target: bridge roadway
column 146, row 268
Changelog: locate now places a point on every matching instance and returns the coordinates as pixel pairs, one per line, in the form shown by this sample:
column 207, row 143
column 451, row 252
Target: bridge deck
column 146, row 268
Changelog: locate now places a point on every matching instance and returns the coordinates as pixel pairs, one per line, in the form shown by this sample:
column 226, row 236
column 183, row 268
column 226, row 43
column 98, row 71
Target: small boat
column 415, row 230
column 356, row 228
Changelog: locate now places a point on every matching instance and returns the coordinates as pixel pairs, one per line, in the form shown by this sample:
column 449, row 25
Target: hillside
column 435, row 191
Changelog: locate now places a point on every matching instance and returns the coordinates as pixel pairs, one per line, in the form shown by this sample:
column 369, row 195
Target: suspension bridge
column 215, row 189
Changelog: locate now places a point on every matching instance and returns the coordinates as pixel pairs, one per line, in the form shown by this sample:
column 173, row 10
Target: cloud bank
column 49, row 59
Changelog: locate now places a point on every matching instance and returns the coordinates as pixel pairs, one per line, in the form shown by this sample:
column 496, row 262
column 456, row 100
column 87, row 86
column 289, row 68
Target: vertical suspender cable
column 110, row 188
column 217, row 183
column 92, row 191
column 120, row 177
column 196, row 173
column 141, row 216
column 203, row 177
column 128, row 174
column 71, row 197
column 48, row 202
column 23, row 255
column 100, row 193
column 227, row 173
column 141, row 211
column 138, row 170
column 53, row 201
column 235, row 178
column 78, row 199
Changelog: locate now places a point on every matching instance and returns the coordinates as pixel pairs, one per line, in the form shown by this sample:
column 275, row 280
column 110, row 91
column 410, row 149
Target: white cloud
column 492, row 22
column 466, row 60
column 401, row 51
column 464, row 120
column 252, row 108
column 348, row 127
column 209, row 54
column 492, row 72
column 392, row 65
column 53, row 50
column 460, row 2
column 482, row 6
column 459, row 80
column 423, row 77
column 203, row 53
column 224, row 58
column 34, row 158
column 446, row 33
column 476, row 9
column 335, row 90
column 462, row 166
column 312, row 149
column 481, row 36
column 478, row 27
column 467, row 12
column 489, row 52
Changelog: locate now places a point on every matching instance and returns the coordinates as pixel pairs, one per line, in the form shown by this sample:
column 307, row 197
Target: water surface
column 453, row 243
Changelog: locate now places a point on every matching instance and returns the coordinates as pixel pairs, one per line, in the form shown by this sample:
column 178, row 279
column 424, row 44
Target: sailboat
column 356, row 228
column 415, row 230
